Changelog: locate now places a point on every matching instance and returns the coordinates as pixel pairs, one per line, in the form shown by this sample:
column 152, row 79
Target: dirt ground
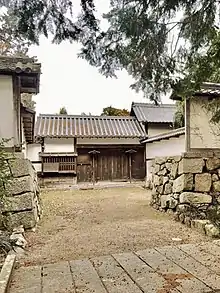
column 87, row 223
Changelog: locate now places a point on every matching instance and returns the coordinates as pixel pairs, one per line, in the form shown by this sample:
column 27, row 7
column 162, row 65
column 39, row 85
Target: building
column 171, row 143
column 89, row 148
column 17, row 76
column 156, row 119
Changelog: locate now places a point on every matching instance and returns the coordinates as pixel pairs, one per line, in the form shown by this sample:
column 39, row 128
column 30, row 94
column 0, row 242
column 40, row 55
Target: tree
column 12, row 43
column 52, row 17
column 111, row 111
column 157, row 42
column 179, row 116
column 63, row 111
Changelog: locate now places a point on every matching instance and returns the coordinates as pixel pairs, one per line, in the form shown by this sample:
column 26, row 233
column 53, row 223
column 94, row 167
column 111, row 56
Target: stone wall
column 188, row 185
column 21, row 206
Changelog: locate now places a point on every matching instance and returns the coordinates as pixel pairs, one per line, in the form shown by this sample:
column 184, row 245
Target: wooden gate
column 84, row 166
column 109, row 165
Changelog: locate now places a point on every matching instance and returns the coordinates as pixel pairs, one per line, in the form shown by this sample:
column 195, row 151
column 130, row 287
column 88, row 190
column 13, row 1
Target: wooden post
column 93, row 153
column 93, row 169
column 130, row 152
column 130, row 164
column 42, row 159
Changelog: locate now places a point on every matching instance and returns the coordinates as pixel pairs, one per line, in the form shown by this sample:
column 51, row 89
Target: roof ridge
column 86, row 116
column 152, row 105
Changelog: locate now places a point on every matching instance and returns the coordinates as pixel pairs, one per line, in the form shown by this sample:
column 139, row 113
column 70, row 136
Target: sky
column 68, row 81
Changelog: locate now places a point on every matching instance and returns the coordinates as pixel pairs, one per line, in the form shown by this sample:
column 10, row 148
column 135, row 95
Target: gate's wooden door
column 84, row 167
column 112, row 165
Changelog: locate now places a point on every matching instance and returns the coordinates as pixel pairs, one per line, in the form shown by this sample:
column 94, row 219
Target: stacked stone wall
column 187, row 185
column 21, row 205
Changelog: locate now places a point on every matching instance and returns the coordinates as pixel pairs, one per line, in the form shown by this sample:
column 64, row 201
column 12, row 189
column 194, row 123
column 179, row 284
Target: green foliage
column 213, row 215
column 163, row 45
column 63, row 111
column 52, row 17
column 12, row 43
column 179, row 116
column 111, row 111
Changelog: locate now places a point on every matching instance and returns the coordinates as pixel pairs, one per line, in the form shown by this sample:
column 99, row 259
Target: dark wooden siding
column 110, row 164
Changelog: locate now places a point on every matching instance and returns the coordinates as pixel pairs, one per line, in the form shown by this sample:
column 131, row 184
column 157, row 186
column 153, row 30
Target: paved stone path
column 185, row 268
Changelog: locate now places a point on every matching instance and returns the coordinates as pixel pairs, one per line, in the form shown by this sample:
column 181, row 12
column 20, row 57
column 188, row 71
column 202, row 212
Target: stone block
column 190, row 165
column 199, row 225
column 158, row 180
column 215, row 177
column 173, row 203
column 195, row 198
column 164, row 201
column 156, row 168
column 168, row 188
column 20, row 185
column 174, row 170
column 177, row 158
column 168, row 166
column 160, row 189
column 21, row 202
column 183, row 208
column 203, row 182
column 216, row 186
column 162, row 172
column 165, row 180
column 28, row 219
column 160, row 160
column 183, row 182
column 212, row 163
column 212, row 231
column 21, row 167
column 162, row 166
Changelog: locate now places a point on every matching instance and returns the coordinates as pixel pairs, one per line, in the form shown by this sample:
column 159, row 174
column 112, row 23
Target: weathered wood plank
column 57, row 278
column 175, row 276
column 85, row 277
column 201, row 254
column 192, row 266
column 143, row 275
column 26, row 279
column 113, row 276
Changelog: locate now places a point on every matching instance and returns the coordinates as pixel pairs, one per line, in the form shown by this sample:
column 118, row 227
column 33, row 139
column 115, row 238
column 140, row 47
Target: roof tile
column 88, row 126
column 145, row 112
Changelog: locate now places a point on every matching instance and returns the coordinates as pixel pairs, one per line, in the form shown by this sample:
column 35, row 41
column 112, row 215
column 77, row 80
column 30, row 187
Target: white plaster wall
column 58, row 145
column 155, row 129
column 203, row 133
column 172, row 147
column 33, row 151
column 7, row 119
column 103, row 141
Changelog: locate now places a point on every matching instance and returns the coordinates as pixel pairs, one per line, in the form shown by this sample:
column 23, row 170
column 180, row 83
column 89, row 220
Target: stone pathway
column 185, row 268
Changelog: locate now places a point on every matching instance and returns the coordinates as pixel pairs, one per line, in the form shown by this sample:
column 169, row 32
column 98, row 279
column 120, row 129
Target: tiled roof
column 19, row 65
column 151, row 113
column 209, row 88
column 88, row 126
column 173, row 133
column 206, row 89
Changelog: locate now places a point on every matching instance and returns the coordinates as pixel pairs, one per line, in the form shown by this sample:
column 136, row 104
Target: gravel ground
column 82, row 223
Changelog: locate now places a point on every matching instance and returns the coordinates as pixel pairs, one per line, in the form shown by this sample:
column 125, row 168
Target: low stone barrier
column 21, row 206
column 188, row 185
